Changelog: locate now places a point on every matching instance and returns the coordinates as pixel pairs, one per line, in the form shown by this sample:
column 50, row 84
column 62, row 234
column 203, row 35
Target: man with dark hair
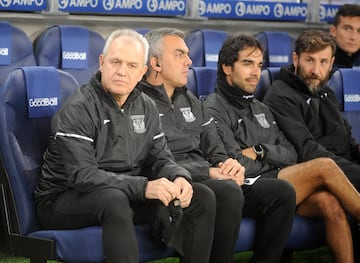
column 195, row 144
column 346, row 30
column 306, row 109
column 251, row 135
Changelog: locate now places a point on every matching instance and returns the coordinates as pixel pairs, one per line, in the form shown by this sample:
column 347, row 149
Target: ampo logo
column 108, row 5
column 201, row 8
column 322, row 14
column 43, row 102
column 152, row 5
column 63, row 4
column 80, row 3
column 278, row 10
column 74, row 55
column 4, row 51
column 240, row 9
column 5, row 3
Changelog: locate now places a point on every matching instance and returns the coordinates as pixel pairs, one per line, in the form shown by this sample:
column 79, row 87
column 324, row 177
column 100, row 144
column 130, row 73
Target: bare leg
column 322, row 174
column 338, row 236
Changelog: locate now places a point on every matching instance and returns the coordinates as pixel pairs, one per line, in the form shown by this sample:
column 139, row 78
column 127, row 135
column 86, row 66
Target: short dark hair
column 229, row 52
column 347, row 10
column 314, row 40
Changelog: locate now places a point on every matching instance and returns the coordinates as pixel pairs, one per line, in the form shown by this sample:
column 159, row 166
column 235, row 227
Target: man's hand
column 229, row 170
column 185, row 191
column 162, row 189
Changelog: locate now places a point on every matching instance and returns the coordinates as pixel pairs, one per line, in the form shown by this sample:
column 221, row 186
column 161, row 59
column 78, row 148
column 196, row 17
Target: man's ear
column 154, row 62
column 227, row 69
column 101, row 61
column 332, row 30
column 295, row 58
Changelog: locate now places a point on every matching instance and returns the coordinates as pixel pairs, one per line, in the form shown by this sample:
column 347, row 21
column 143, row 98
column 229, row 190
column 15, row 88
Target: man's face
column 246, row 71
column 347, row 34
column 122, row 67
column 314, row 68
column 174, row 62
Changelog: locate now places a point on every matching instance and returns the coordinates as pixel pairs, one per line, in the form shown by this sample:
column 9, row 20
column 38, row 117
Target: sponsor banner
column 257, row 10
column 23, row 5
column 75, row 47
column 5, row 43
column 351, row 89
column 43, row 93
column 327, row 12
column 252, row 10
column 132, row 7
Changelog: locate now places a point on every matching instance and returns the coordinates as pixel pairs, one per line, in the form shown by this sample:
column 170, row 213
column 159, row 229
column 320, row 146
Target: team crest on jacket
column 188, row 115
column 138, row 122
column 261, row 118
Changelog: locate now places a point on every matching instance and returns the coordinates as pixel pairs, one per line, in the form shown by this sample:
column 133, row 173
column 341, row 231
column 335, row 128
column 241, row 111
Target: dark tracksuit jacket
column 343, row 60
column 191, row 136
column 313, row 123
column 247, row 124
column 96, row 144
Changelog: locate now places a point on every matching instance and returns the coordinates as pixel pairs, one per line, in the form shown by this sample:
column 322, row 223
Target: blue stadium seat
column 202, row 81
column 15, row 49
column 278, row 47
column 24, row 137
column 74, row 49
column 142, row 30
column 344, row 82
column 336, row 84
column 204, row 46
column 267, row 77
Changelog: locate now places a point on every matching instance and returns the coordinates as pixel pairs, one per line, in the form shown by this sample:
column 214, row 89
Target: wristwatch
column 259, row 150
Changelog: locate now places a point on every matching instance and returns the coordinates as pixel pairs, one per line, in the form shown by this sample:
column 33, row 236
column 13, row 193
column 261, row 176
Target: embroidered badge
column 188, row 115
column 138, row 122
column 262, row 120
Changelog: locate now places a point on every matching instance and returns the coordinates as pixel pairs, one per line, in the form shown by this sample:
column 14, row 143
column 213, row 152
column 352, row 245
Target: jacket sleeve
column 74, row 131
column 232, row 147
column 281, row 153
column 210, row 142
column 161, row 160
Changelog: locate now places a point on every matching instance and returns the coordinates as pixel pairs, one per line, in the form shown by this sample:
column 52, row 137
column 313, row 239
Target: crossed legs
column 338, row 236
column 323, row 190
column 322, row 174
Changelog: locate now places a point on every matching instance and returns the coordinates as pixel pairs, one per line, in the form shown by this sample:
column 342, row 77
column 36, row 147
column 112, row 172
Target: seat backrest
column 28, row 98
column 202, row 81
column 336, row 84
column 74, row 49
column 15, row 49
column 344, row 82
column 267, row 77
column 278, row 47
column 142, row 30
column 204, row 46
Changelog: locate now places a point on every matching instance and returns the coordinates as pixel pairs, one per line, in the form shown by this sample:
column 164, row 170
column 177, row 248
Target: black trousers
column 229, row 205
column 111, row 209
column 272, row 203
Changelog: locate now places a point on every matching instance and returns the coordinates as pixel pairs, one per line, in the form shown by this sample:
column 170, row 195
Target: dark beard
column 311, row 87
